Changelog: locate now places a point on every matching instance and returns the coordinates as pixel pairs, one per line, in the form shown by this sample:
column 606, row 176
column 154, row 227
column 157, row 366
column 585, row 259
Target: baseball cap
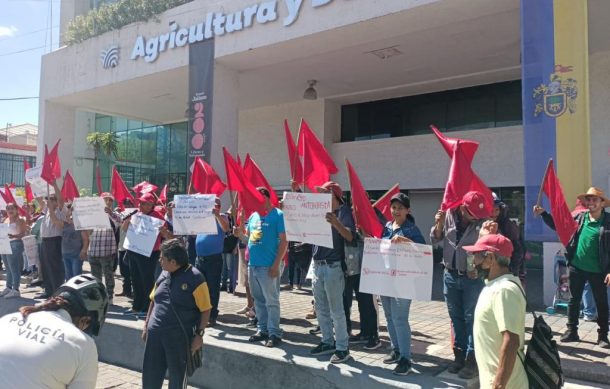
column 495, row 243
column 475, row 204
column 401, row 198
column 333, row 187
column 148, row 198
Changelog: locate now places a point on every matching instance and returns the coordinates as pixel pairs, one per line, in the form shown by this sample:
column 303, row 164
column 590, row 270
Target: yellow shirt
column 501, row 307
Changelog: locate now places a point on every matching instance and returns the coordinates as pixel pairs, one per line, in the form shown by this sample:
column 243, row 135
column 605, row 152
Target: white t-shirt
column 501, row 307
column 45, row 351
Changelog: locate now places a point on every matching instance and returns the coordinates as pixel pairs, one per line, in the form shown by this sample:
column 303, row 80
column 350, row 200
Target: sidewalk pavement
column 431, row 344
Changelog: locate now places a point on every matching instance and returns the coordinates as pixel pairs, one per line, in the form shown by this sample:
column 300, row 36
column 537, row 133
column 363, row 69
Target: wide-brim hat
column 593, row 191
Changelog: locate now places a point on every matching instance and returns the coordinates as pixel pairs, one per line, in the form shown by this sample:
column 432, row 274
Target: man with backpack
column 499, row 317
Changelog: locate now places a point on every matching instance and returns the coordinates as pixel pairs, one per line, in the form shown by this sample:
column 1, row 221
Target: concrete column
column 56, row 122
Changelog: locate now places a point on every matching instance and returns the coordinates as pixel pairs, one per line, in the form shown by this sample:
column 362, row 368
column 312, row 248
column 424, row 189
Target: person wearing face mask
column 453, row 230
column 499, row 319
column 50, row 345
column 400, row 230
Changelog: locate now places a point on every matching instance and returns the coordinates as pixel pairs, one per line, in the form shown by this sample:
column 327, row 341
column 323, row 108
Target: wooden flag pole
column 546, row 172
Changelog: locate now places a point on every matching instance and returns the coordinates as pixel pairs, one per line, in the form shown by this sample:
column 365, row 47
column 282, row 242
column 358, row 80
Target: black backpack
column 542, row 363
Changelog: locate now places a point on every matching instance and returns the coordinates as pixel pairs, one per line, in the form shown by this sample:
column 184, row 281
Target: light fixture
column 310, row 92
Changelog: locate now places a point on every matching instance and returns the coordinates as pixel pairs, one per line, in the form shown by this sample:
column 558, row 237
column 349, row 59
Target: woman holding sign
column 13, row 262
column 400, row 230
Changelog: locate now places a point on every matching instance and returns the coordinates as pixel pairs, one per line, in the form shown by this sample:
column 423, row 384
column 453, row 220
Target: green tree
column 106, row 143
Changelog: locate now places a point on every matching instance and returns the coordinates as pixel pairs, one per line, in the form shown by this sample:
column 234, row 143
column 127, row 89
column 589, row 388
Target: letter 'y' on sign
column 294, row 7
column 319, row 3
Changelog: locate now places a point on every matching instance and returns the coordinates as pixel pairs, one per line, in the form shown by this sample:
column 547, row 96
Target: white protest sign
column 142, row 234
column 88, row 213
column 193, row 214
column 38, row 184
column 30, row 247
column 5, row 243
column 305, row 218
column 402, row 270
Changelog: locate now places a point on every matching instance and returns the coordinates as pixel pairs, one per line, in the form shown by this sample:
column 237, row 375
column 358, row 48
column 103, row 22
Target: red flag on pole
column 199, row 178
column 119, row 190
column 469, row 147
column 384, row 205
column 51, row 167
column 255, row 175
column 163, row 195
column 565, row 225
column 366, row 218
column 317, row 163
column 214, row 184
column 249, row 198
column 69, row 190
column 296, row 167
column 144, row 187
column 8, row 197
column 29, row 196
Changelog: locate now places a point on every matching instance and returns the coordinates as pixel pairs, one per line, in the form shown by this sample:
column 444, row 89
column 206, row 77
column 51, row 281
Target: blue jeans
column 266, row 296
column 461, row 294
column 73, row 265
column 229, row 271
column 14, row 264
column 397, row 316
column 588, row 304
column 328, row 284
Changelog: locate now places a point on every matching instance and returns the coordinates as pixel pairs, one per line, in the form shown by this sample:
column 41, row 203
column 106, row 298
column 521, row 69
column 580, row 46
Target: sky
column 25, row 25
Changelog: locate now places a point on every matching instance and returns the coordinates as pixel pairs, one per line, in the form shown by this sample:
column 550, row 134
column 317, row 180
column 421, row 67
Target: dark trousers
column 211, row 267
column 52, row 264
column 578, row 278
column 366, row 307
column 125, row 273
column 295, row 269
column 142, row 277
column 165, row 350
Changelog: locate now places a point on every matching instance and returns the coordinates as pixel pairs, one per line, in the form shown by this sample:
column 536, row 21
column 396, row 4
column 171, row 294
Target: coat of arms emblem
column 559, row 95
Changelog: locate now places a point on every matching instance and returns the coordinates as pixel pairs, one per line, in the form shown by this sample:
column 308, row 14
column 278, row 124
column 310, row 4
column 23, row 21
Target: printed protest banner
column 402, row 270
column 305, row 218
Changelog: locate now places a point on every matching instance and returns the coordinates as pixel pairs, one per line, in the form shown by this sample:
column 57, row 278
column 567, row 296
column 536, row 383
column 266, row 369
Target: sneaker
column 252, row 323
column 323, row 349
column 403, row 367
column 311, row 315
column 590, row 319
column 211, row 323
column 357, row 339
column 273, row 341
column 394, row 357
column 602, row 341
column 316, row 330
column 372, row 343
column 243, row 310
column 5, row 292
column 251, row 313
column 340, row 356
column 258, row 337
column 12, row 294
column 34, row 283
column 570, row 336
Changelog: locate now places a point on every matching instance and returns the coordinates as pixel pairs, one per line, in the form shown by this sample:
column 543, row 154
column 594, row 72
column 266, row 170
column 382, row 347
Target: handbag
column 353, row 255
column 193, row 360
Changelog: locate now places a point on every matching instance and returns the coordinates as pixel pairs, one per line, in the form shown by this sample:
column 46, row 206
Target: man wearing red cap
column 452, row 231
column 499, row 319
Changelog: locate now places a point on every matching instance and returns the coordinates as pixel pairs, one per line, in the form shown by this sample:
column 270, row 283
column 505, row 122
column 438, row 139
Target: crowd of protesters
column 479, row 251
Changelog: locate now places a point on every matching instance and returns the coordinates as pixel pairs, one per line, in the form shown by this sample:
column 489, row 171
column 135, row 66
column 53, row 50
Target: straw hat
column 593, row 191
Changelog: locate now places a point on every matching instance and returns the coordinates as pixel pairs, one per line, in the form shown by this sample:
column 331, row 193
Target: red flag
column 384, row 205
column 29, row 196
column 119, row 190
column 8, row 197
column 317, row 163
column 460, row 177
column 144, row 187
column 163, row 195
column 469, row 147
column 255, row 175
column 98, row 180
column 296, row 167
column 249, row 198
column 565, row 225
column 51, row 167
column 69, row 190
column 366, row 218
column 214, row 184
column 199, row 179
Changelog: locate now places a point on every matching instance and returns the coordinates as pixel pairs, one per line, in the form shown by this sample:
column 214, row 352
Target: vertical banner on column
column 201, row 86
column 555, row 87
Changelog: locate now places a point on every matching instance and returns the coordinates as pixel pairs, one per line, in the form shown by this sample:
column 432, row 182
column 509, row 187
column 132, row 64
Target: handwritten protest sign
column 305, row 218
column 402, row 270
column 193, row 214
column 88, row 213
column 5, row 244
column 38, row 184
column 30, row 247
column 142, row 234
